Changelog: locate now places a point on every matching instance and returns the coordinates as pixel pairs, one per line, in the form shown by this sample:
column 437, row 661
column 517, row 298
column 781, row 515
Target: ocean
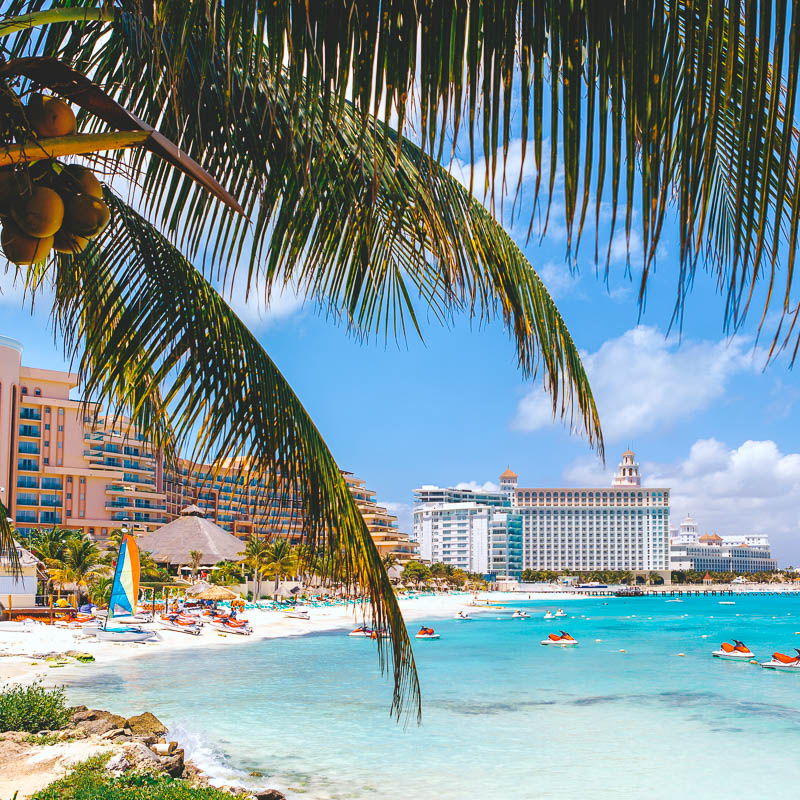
column 503, row 717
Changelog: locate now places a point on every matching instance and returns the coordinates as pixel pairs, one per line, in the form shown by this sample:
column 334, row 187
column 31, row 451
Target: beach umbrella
column 216, row 593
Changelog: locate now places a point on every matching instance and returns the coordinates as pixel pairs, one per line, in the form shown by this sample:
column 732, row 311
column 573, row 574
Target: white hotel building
column 622, row 527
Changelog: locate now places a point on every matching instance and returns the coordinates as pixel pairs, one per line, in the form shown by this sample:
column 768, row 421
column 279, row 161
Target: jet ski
column 549, row 614
column 462, row 615
column 735, row 652
column 561, row 613
column 520, row 615
column 362, row 631
column 427, row 633
column 180, row 622
column 560, row 639
column 783, row 662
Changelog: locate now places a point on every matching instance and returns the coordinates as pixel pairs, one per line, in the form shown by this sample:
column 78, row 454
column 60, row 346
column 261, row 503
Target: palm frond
column 700, row 97
column 361, row 219
column 152, row 327
column 8, row 548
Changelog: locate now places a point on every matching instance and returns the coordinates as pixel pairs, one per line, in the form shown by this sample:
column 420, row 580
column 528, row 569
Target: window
column 47, row 426
column 38, row 392
column 60, row 427
column 25, row 391
column 46, row 460
column 47, row 443
column 60, row 412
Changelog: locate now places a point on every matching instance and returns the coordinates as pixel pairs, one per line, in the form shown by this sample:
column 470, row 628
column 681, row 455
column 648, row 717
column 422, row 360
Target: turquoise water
column 503, row 717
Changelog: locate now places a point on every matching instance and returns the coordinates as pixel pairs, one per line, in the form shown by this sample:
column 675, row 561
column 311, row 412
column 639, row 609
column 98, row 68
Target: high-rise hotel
column 621, row 527
column 68, row 465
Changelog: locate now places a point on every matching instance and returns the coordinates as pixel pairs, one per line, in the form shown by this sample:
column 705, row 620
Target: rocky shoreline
column 136, row 743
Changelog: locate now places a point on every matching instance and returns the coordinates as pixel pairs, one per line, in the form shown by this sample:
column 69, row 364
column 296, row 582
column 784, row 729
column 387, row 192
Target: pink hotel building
column 66, row 464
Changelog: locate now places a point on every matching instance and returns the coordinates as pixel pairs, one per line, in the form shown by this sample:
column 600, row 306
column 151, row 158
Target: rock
column 146, row 724
column 83, row 715
column 148, row 740
column 113, row 733
column 173, row 764
column 102, row 722
column 194, row 775
column 118, row 763
column 140, row 755
column 256, row 774
column 269, row 794
column 121, row 739
column 67, row 734
column 78, row 709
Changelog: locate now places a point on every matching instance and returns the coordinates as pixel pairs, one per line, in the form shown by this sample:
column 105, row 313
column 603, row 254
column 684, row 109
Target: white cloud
column 487, row 486
column 558, row 279
column 642, row 381
column 752, row 488
column 254, row 311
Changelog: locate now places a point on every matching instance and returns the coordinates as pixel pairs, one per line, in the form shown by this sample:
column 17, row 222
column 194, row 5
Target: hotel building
column 714, row 553
column 622, row 527
column 64, row 463
column 381, row 524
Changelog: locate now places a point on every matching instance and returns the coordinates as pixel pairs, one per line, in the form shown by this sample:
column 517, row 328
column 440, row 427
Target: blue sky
column 702, row 414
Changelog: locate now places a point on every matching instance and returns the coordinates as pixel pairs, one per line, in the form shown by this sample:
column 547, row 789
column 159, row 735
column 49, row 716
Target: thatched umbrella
column 216, row 593
column 175, row 541
column 198, row 587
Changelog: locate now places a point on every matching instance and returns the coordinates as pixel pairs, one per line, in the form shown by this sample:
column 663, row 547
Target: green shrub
column 33, row 708
column 90, row 781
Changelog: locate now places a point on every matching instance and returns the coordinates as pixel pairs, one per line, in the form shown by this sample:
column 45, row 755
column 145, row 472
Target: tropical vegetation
column 32, row 708
column 90, row 780
column 689, row 107
column 81, row 563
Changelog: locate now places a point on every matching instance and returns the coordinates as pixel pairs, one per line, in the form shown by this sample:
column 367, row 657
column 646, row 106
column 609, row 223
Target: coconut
column 85, row 215
column 40, row 213
column 23, row 249
column 71, row 243
column 50, row 116
column 76, row 179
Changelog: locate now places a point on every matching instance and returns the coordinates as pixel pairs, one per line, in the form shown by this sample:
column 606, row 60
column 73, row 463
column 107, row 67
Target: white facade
column 624, row 527
column 454, row 533
column 714, row 553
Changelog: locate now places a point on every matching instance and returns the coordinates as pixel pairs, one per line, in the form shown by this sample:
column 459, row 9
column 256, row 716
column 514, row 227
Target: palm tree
column 50, row 547
column 367, row 224
column 255, row 555
column 195, row 557
column 226, row 573
column 80, row 563
column 280, row 561
column 100, row 587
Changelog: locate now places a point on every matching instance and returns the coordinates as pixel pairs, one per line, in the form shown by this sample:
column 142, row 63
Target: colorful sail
column 126, row 579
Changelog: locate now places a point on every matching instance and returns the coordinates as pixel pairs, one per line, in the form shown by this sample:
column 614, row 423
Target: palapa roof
column 173, row 542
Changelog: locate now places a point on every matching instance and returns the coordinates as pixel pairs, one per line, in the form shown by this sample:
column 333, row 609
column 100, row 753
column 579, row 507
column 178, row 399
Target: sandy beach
column 23, row 646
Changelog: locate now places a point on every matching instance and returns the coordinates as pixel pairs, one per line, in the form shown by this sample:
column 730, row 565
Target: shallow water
column 503, row 717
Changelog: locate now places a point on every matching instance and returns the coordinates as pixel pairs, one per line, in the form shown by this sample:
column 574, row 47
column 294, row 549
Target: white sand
column 19, row 643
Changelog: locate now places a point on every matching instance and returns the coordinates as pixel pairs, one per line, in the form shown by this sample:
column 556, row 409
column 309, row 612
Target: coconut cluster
column 49, row 205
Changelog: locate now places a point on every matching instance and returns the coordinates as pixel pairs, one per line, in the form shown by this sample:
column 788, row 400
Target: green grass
column 90, row 781
column 33, row 708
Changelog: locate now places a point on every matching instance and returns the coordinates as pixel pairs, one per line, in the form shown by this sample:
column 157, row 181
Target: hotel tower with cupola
column 621, row 527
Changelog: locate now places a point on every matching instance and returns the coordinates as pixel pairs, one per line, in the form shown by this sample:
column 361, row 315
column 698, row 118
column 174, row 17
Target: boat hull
column 427, row 636
column 733, row 656
column 242, row 631
column 194, row 630
column 124, row 635
column 559, row 643
column 780, row 666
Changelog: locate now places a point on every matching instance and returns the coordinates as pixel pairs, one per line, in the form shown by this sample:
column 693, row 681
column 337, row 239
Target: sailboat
column 124, row 593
